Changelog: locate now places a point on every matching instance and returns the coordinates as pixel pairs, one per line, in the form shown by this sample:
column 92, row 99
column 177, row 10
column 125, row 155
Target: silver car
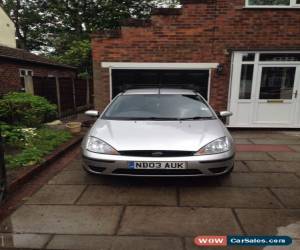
column 158, row 132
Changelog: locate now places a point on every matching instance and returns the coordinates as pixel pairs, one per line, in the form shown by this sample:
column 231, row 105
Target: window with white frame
column 23, row 74
column 273, row 3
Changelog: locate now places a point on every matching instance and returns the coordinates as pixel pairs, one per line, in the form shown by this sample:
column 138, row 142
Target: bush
column 13, row 135
column 26, row 110
column 43, row 142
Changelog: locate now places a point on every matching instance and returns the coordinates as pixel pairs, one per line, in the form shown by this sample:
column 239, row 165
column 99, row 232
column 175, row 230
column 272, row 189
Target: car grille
column 156, row 153
column 159, row 172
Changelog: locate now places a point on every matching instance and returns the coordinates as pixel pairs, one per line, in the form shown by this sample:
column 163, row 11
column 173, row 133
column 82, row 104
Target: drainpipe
column 2, row 170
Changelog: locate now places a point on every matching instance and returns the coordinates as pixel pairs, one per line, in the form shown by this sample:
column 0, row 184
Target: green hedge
column 26, row 110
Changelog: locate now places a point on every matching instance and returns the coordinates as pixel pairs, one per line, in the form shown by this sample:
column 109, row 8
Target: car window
column 173, row 107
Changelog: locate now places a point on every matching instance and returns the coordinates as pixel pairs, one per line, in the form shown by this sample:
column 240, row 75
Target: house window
column 248, row 57
column 273, row 3
column 26, row 72
column 279, row 57
column 23, row 74
column 246, row 81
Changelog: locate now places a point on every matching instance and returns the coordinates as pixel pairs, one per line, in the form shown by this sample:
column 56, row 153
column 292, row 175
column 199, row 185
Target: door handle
column 296, row 94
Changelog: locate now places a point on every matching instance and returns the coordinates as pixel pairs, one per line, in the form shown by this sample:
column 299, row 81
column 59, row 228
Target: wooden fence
column 70, row 95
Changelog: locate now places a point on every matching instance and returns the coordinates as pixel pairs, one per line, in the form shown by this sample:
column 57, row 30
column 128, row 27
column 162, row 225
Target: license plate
column 157, row 165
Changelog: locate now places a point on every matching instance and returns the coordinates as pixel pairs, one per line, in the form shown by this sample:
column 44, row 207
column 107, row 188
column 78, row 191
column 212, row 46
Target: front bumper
column 207, row 165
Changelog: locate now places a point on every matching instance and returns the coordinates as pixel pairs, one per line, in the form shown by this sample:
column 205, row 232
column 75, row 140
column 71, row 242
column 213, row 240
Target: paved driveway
column 77, row 211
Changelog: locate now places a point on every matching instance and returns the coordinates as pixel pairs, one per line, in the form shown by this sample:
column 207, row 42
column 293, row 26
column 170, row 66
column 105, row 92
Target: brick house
column 18, row 67
column 21, row 70
column 58, row 83
column 242, row 55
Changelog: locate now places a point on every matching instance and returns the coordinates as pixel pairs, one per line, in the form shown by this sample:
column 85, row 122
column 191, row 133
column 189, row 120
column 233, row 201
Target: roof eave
column 37, row 62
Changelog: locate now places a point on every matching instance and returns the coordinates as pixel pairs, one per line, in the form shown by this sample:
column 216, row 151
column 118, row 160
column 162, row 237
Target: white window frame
column 293, row 4
column 26, row 72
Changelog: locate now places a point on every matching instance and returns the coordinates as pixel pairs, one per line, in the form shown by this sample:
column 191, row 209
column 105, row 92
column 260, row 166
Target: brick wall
column 10, row 76
column 202, row 31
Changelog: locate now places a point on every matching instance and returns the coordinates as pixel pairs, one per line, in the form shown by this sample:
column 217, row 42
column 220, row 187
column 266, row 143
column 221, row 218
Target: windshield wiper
column 153, row 119
column 196, row 118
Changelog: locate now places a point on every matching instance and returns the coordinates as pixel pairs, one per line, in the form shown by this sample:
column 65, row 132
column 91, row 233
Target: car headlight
column 98, row 146
column 218, row 146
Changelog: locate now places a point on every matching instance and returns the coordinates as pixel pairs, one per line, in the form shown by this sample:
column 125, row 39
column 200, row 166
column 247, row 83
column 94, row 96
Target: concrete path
column 75, row 210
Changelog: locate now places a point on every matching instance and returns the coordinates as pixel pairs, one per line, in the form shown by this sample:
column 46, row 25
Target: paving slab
column 273, row 166
column 262, row 148
column 74, row 165
column 33, row 241
column 78, row 242
column 248, row 134
column 228, row 197
column 254, row 156
column 295, row 147
column 81, row 242
column 242, row 141
column 276, row 141
column 261, row 180
column 63, row 220
column 239, row 166
column 76, row 177
column 109, row 195
column 57, row 194
column 286, row 156
column 291, row 135
column 179, row 221
column 289, row 197
column 80, row 177
column 270, row 221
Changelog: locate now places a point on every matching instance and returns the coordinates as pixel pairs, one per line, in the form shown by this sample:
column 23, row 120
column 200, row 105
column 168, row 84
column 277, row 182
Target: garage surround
column 199, row 46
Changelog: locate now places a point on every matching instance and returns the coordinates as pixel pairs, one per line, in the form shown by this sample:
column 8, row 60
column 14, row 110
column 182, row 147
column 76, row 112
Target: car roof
column 163, row 91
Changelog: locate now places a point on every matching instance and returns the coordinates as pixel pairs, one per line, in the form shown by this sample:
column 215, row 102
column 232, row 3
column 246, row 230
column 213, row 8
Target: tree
column 28, row 21
column 78, row 54
column 61, row 28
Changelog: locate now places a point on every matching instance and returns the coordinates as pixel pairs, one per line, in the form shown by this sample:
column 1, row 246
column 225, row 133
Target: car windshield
column 158, row 107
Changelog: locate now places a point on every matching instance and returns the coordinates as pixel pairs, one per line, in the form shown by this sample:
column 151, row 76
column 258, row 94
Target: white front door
column 276, row 96
column 264, row 90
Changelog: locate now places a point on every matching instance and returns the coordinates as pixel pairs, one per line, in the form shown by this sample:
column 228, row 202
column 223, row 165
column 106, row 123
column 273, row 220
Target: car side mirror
column 225, row 114
column 92, row 113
